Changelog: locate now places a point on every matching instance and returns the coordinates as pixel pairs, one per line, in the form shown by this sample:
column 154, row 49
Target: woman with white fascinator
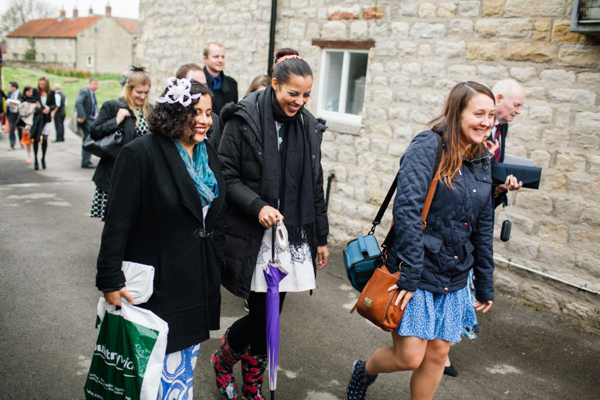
column 166, row 210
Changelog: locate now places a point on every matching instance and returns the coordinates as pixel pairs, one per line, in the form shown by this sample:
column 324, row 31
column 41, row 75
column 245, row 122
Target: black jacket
column 154, row 217
column 104, row 125
column 502, row 198
column 459, row 229
column 39, row 118
column 227, row 94
column 241, row 155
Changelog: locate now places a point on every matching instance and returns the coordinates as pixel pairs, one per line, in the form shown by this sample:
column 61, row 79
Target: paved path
column 48, row 247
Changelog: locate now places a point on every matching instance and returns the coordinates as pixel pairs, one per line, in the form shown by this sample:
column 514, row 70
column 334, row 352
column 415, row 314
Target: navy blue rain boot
column 359, row 382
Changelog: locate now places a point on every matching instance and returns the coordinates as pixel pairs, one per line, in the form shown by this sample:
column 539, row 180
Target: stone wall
column 422, row 49
column 58, row 51
column 108, row 43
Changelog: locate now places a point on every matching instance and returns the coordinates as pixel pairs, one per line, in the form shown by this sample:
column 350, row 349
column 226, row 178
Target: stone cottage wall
column 422, row 49
column 110, row 45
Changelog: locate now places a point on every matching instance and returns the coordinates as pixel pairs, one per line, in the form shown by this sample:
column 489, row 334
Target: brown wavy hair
column 447, row 125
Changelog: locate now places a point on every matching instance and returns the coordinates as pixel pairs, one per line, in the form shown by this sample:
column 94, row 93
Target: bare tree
column 20, row 11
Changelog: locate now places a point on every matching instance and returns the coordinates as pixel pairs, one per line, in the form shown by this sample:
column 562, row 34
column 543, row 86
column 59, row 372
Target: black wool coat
column 241, row 154
column 227, row 94
column 104, row 125
column 154, row 217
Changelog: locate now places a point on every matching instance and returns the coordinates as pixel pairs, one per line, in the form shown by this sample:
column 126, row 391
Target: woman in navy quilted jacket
column 435, row 261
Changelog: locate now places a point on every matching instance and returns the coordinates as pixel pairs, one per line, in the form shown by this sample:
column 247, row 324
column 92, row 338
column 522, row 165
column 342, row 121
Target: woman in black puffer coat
column 271, row 157
column 436, row 258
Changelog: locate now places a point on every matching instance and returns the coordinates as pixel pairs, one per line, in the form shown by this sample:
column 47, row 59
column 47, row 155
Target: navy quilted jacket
column 459, row 229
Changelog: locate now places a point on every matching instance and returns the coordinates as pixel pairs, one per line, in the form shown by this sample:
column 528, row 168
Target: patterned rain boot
column 253, row 369
column 223, row 361
column 359, row 382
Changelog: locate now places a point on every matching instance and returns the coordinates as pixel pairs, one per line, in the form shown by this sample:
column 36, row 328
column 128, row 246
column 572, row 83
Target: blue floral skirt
column 177, row 380
column 438, row 316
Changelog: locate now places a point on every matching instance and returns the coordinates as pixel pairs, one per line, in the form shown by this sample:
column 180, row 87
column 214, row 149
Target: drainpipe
column 272, row 37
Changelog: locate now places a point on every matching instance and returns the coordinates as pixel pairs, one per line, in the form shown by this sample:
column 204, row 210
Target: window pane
column 333, row 80
column 356, row 83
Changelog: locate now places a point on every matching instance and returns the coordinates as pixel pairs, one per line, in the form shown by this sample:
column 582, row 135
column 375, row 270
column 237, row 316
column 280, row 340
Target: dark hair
column 24, row 96
column 14, row 84
column 293, row 66
column 448, row 126
column 171, row 120
column 260, row 80
column 185, row 68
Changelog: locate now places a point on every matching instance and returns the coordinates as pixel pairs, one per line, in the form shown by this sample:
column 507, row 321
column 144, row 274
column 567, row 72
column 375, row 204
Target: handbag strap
column 389, row 238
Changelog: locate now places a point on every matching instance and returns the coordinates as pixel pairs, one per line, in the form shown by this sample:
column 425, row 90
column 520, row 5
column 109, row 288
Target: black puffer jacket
column 241, row 154
column 459, row 229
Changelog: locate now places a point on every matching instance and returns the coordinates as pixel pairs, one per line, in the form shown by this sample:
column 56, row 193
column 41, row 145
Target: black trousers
column 252, row 329
column 59, row 125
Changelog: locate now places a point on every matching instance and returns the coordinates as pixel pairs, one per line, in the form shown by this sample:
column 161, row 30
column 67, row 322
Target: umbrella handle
column 273, row 234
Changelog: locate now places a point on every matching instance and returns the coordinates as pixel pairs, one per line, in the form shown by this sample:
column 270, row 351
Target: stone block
column 386, row 48
column 446, row 10
column 398, row 113
column 515, row 8
column 588, row 120
column 535, row 92
column 376, row 113
column 444, row 84
column 403, row 132
column 329, row 151
column 582, row 238
column 426, row 10
column 413, row 69
column 460, row 71
column 375, row 12
column 434, row 69
column 453, row 49
column 588, row 264
column 561, row 32
column 579, row 56
column 591, row 216
column 427, row 31
column 541, row 158
column 376, row 68
column 399, row 29
column 523, row 74
column 557, row 183
column 492, row 8
column 333, row 30
column 569, row 209
column 379, row 146
column 516, row 28
column 555, row 233
column 360, row 195
column 392, row 66
column 487, row 28
column 379, row 30
column 594, row 165
column 540, row 204
column 577, row 96
column 297, row 29
column 580, row 310
column 460, row 26
column 505, row 284
column 541, row 114
column 485, row 51
column 495, row 72
column 359, row 29
column 584, row 188
column 337, row 13
column 523, row 246
column 408, row 10
column 424, row 50
column 536, row 52
column 433, row 101
column 469, row 9
column 542, row 29
column 592, row 78
column 568, row 162
column 396, row 149
column 558, row 75
column 524, row 224
column 382, row 130
column 406, row 48
column 341, row 173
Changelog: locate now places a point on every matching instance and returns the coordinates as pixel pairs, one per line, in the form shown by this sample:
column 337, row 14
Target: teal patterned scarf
column 203, row 177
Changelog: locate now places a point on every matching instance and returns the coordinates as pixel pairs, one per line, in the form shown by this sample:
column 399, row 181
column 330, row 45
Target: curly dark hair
column 174, row 120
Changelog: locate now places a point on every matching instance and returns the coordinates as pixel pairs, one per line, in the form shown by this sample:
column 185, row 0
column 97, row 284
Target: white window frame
column 89, row 61
column 337, row 115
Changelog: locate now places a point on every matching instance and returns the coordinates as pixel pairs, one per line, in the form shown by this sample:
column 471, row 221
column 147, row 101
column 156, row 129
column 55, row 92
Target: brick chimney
column 108, row 10
column 91, row 12
column 62, row 13
column 75, row 12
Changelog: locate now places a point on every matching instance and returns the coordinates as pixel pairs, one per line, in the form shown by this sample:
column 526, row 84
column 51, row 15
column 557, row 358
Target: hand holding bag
column 109, row 146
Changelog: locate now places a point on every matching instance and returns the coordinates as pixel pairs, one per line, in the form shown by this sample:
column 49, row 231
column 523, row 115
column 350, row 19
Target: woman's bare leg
column 425, row 379
column 406, row 354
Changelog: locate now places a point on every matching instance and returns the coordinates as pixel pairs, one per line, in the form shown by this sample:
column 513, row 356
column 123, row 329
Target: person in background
column 435, row 261
column 42, row 120
column 12, row 114
column 26, row 112
column 223, row 87
column 59, row 113
column 165, row 209
column 271, row 156
column 259, row 83
column 126, row 115
column 87, row 111
column 194, row 71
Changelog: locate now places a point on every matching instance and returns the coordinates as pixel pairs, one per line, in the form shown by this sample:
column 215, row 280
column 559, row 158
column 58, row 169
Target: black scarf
column 286, row 180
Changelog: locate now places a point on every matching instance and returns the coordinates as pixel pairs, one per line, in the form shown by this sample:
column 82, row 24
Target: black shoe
column 451, row 371
column 43, row 163
column 36, row 166
column 90, row 165
column 246, row 306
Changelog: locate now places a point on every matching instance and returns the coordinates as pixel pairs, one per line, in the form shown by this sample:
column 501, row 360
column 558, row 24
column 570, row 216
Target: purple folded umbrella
column 274, row 273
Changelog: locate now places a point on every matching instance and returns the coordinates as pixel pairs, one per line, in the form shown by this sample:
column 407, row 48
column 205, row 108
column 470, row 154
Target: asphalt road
column 48, row 247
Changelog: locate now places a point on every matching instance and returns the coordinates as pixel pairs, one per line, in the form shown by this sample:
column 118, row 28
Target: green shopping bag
column 129, row 354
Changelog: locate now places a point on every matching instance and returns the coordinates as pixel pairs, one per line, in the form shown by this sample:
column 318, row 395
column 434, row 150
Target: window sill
column 343, row 127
